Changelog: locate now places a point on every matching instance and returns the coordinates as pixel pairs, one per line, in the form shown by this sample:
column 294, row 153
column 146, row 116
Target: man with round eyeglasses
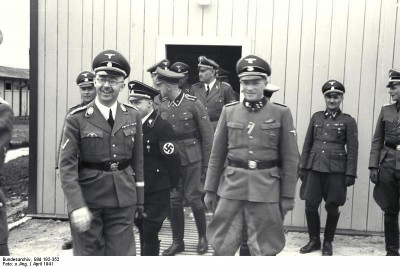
column 105, row 188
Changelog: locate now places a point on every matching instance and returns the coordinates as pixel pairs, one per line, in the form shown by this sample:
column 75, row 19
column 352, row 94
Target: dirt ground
column 44, row 237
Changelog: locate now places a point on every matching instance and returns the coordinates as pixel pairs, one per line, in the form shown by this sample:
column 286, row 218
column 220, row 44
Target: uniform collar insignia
column 177, row 100
column 254, row 106
column 123, row 107
column 334, row 115
column 89, row 111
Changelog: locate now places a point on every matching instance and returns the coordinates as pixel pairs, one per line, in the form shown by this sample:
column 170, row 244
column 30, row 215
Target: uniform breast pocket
column 317, row 130
column 186, row 119
column 390, row 125
column 219, row 102
column 235, row 133
column 339, row 130
column 270, row 134
column 129, row 138
column 91, row 142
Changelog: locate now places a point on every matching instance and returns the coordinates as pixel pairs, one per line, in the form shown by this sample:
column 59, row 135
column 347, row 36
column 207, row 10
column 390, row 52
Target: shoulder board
column 130, row 106
column 78, row 109
column 226, row 83
column 197, row 84
column 190, row 97
column 279, row 104
column 73, row 108
column 347, row 115
column 232, row 103
column 389, row 104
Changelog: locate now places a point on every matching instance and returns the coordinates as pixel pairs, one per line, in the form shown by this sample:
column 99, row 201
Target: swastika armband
column 167, row 148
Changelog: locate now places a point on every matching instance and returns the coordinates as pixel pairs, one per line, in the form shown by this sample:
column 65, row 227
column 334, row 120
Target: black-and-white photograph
column 199, row 128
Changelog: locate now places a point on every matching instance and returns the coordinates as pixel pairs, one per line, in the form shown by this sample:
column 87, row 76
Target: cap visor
column 252, row 77
column 86, row 84
column 272, row 87
column 109, row 71
column 333, row 91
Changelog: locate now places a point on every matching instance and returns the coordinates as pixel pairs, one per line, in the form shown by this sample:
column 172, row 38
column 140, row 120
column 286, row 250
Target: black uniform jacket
column 161, row 157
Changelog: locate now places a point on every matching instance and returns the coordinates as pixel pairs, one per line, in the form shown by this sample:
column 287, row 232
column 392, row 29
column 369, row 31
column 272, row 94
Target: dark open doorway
column 225, row 56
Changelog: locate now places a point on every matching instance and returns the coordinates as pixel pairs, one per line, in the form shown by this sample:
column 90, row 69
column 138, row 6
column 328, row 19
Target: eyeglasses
column 111, row 82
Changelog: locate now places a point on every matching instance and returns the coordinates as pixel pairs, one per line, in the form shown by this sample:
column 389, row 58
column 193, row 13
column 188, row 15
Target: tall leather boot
column 391, row 234
column 139, row 225
column 244, row 248
column 313, row 225
column 152, row 249
column 178, row 227
column 200, row 219
column 330, row 229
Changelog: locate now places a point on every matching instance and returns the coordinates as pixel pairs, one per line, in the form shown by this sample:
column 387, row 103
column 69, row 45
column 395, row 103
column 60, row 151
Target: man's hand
column 81, row 219
column 374, row 176
column 286, row 204
column 203, row 174
column 350, row 180
column 210, row 200
column 139, row 213
column 303, row 174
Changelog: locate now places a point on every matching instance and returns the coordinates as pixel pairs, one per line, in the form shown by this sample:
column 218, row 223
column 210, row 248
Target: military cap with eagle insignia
column 333, row 86
column 394, row 78
column 139, row 90
column 85, row 79
column 207, row 63
column 179, row 67
column 221, row 73
column 168, row 76
column 253, row 67
column 109, row 62
column 164, row 64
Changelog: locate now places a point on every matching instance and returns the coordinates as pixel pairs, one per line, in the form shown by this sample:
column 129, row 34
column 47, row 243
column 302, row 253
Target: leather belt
column 253, row 164
column 392, row 145
column 106, row 166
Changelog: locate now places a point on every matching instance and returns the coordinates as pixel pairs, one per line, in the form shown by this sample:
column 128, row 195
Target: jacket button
column 158, row 170
column 115, row 156
column 323, row 151
column 113, row 145
column 250, row 137
column 251, row 152
column 325, row 133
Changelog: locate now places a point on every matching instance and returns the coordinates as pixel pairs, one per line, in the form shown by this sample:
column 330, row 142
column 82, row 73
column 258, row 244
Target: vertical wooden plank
column 151, row 12
column 384, row 64
column 180, row 17
column 40, row 96
column 337, row 59
column 87, row 34
column 122, row 46
column 98, row 27
column 352, row 80
column 305, row 80
column 74, row 50
column 110, row 24
column 166, row 17
column 210, row 17
column 396, row 57
column 279, row 47
column 292, row 72
column 224, row 21
column 239, row 17
column 195, row 19
column 62, row 85
column 137, row 40
column 49, row 184
column 251, row 22
column 265, row 16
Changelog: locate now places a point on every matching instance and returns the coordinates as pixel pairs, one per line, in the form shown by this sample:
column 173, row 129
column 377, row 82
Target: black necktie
column 110, row 119
column 207, row 89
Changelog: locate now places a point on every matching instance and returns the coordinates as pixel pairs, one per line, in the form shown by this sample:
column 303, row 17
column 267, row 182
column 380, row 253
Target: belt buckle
column 398, row 147
column 252, row 164
column 114, row 166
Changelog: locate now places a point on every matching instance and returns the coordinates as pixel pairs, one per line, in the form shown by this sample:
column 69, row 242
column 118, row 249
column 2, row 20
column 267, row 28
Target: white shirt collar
column 144, row 119
column 211, row 84
column 106, row 110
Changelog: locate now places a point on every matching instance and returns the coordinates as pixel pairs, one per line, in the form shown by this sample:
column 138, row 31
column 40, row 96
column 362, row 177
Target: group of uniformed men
column 123, row 164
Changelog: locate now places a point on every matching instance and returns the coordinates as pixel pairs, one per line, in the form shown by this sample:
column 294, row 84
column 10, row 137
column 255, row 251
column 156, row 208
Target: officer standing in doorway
column 257, row 188
column 161, row 167
column 194, row 134
column 105, row 190
column 212, row 93
column 329, row 166
column 384, row 164
column 6, row 126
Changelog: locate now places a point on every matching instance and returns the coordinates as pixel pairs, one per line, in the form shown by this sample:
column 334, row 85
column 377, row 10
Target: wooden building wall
column 18, row 96
column 307, row 42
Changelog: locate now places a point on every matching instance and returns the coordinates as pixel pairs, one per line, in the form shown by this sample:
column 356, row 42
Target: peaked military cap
column 85, row 79
column 221, row 73
column 333, row 86
column 252, row 65
column 168, row 76
column 179, row 67
column 164, row 64
column 139, row 90
column 111, row 61
column 394, row 77
column 207, row 63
